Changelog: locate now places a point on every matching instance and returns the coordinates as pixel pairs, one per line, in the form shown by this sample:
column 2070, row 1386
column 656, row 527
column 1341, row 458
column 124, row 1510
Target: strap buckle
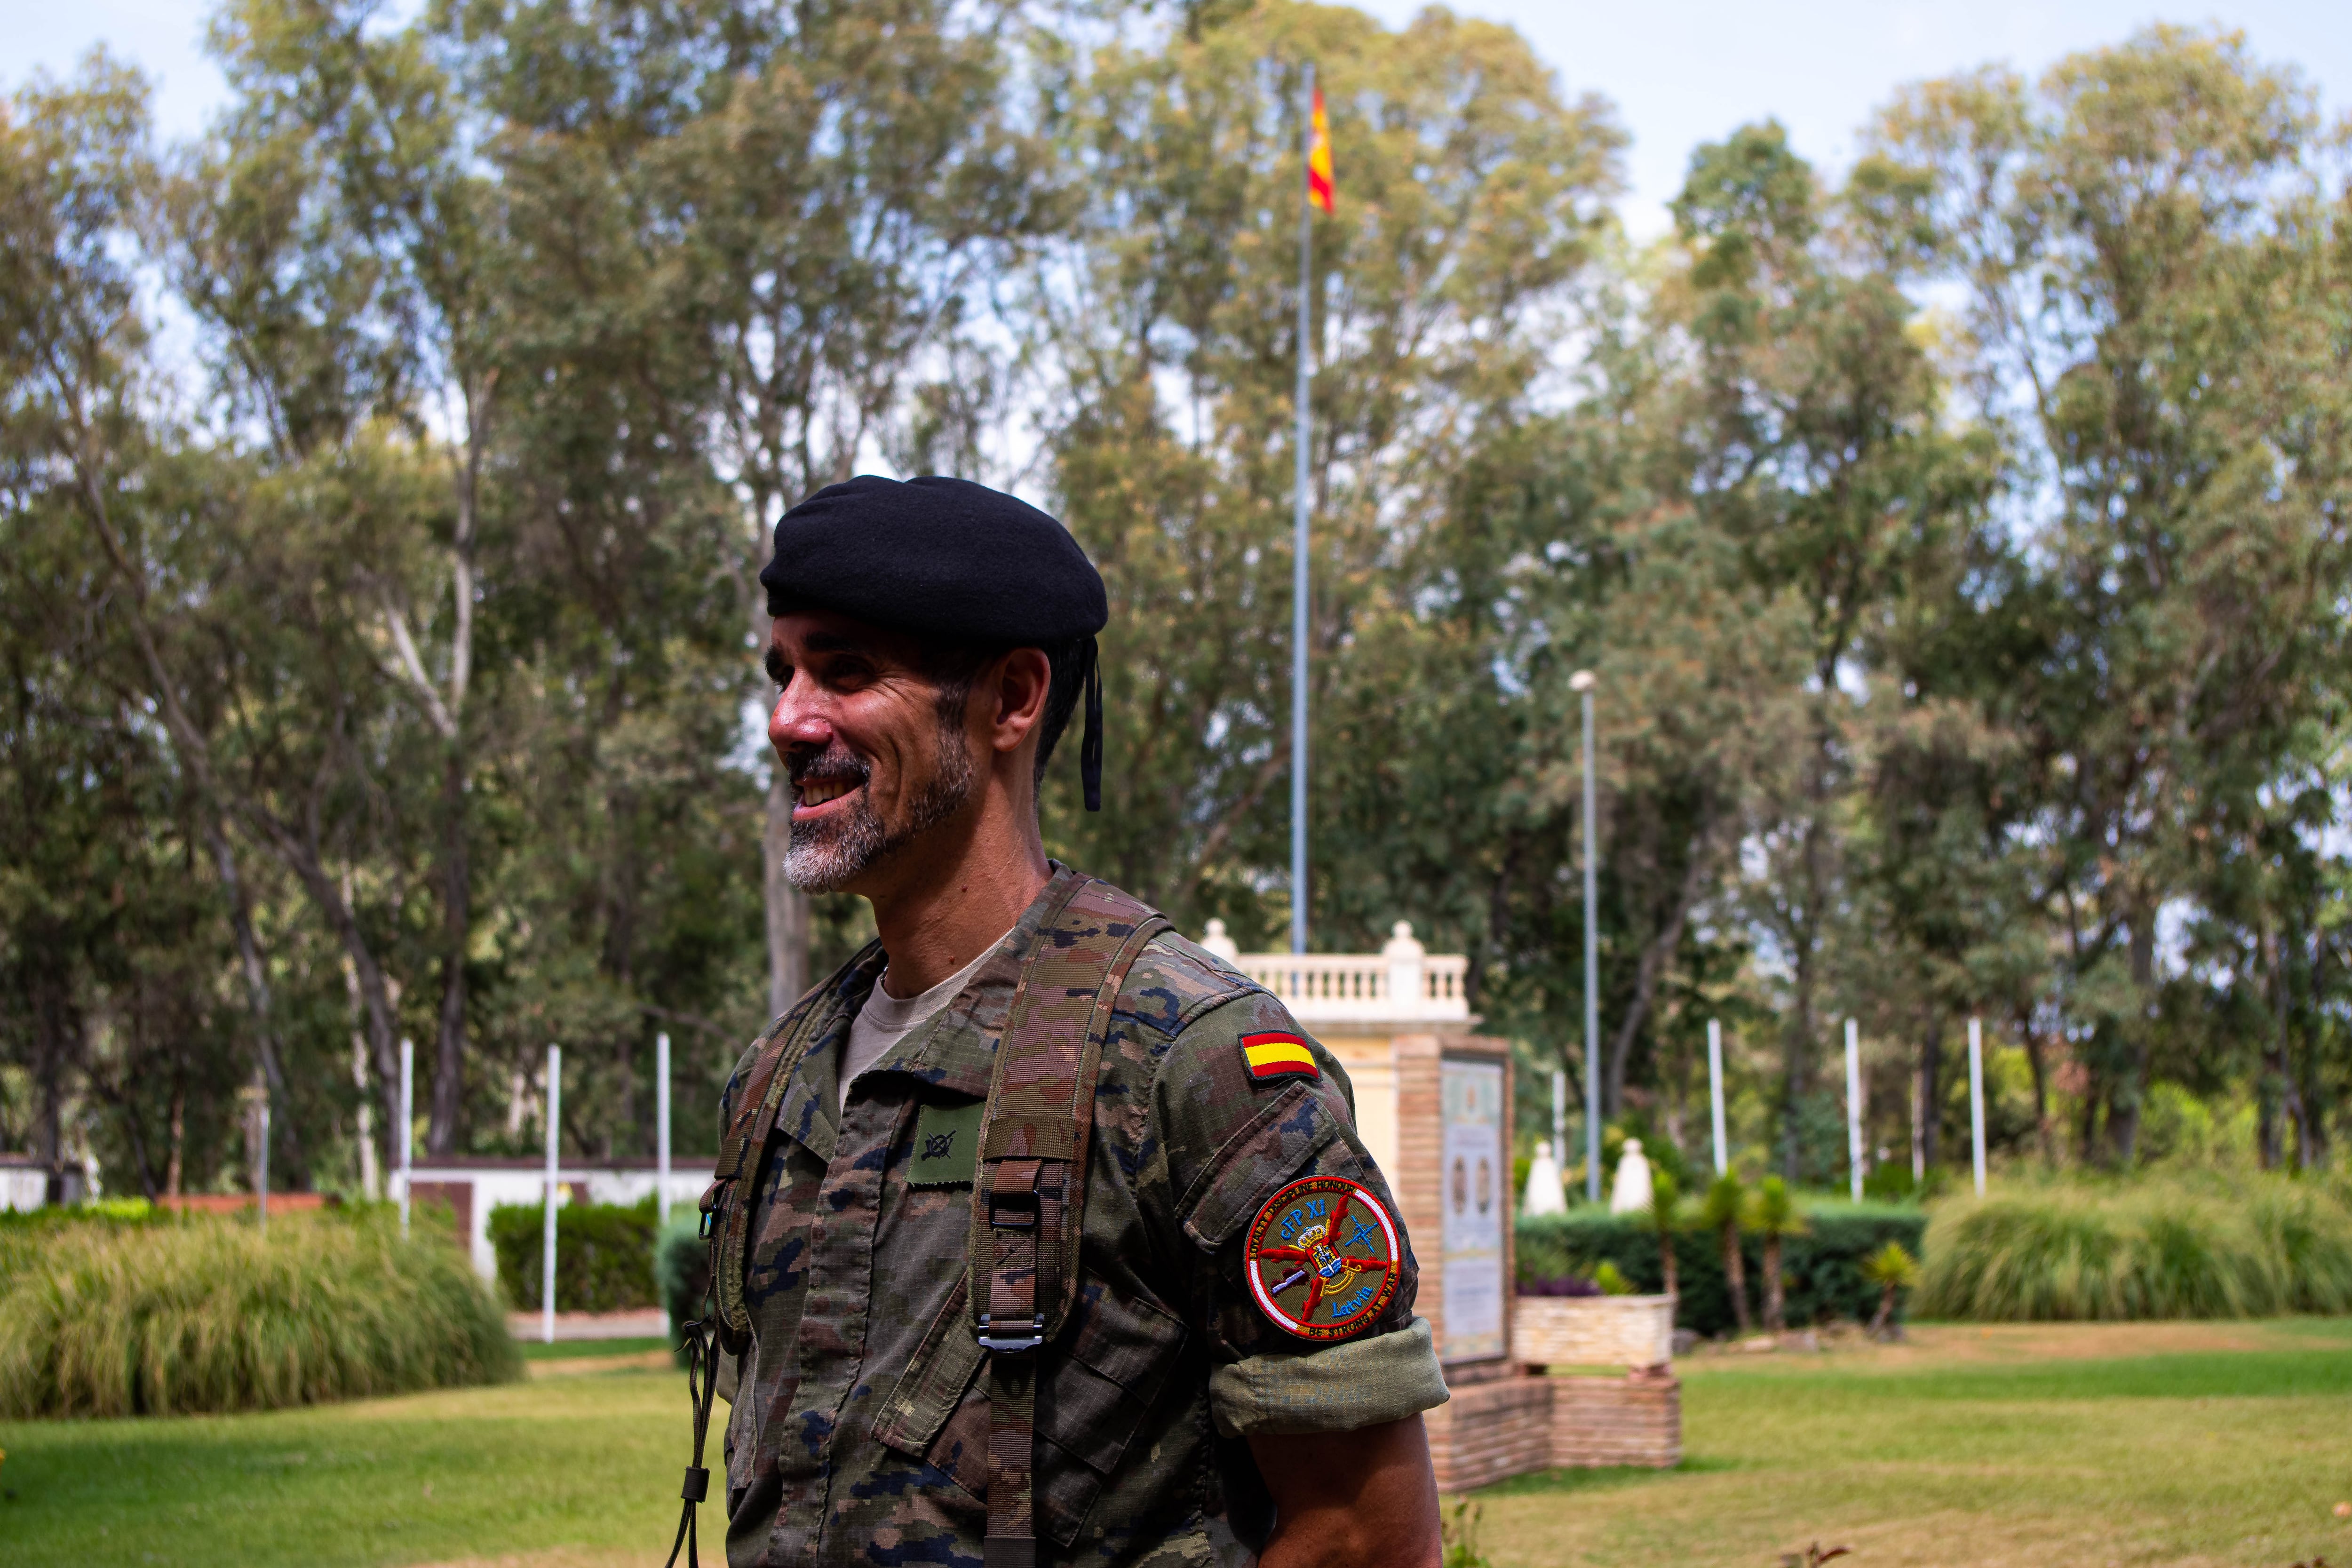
column 1009, row 1345
column 1013, row 1210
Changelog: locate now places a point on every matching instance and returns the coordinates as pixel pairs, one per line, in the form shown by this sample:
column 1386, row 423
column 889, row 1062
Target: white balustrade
column 1399, row 983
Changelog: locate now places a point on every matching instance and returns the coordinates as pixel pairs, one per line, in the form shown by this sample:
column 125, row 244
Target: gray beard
column 826, row 855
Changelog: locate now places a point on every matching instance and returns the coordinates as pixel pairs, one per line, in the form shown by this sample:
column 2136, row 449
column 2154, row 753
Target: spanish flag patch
column 1277, row 1056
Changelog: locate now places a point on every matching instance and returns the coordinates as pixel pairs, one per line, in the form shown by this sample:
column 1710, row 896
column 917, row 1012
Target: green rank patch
column 947, row 1144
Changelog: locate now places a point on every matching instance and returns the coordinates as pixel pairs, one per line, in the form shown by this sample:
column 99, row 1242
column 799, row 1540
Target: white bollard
column 547, row 1253
column 1715, row 1092
column 1853, row 1105
column 661, row 1127
column 1976, row 1097
column 407, row 1122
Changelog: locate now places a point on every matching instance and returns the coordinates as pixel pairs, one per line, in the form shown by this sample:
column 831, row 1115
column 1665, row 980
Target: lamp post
column 1582, row 683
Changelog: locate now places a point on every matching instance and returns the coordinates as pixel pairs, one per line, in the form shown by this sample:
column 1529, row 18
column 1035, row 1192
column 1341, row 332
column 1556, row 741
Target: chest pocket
column 1102, row 1377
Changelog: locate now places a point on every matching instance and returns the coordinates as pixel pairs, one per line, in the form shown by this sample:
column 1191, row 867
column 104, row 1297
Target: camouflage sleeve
column 1310, row 1284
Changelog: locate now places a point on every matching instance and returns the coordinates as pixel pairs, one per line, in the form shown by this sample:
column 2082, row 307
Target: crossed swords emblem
column 1324, row 1270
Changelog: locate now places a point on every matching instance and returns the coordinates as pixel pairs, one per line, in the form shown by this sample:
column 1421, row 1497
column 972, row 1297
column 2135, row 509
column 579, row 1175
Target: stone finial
column 1216, row 940
column 1401, row 944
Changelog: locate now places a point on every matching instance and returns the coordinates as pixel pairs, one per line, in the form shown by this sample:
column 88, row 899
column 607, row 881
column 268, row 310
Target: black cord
column 701, row 1388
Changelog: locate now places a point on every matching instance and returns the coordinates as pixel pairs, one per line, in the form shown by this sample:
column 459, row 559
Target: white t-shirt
column 885, row 1020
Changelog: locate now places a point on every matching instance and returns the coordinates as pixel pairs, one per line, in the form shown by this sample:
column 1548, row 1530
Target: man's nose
column 798, row 721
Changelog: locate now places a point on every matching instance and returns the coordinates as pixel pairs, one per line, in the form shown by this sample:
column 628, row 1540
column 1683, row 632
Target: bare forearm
column 1352, row 1499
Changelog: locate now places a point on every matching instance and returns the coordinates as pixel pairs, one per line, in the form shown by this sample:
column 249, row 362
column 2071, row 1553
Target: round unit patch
column 1322, row 1258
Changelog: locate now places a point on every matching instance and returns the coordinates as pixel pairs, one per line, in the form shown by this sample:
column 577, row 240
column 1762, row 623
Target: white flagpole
column 1715, row 1092
column 1853, row 1105
column 1976, row 1096
column 1298, row 572
column 407, row 1122
column 661, row 1132
column 263, row 1183
column 547, row 1250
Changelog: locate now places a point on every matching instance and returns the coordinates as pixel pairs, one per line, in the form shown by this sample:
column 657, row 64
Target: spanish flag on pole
column 1320, row 187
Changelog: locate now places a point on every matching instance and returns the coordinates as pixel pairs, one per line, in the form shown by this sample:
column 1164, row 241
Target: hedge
column 604, row 1254
column 1821, row 1269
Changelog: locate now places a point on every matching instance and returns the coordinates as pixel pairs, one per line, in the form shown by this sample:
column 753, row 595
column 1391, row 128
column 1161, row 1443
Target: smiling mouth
column 810, row 794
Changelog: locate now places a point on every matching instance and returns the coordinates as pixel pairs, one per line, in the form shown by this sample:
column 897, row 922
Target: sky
column 1680, row 71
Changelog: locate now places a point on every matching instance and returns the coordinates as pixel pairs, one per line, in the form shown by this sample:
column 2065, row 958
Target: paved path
column 650, row 1323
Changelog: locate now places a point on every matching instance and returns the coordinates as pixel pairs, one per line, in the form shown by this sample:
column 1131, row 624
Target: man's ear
column 1014, row 697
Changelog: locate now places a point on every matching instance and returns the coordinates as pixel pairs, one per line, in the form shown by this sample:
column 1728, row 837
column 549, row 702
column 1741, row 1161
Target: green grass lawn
column 2159, row 1444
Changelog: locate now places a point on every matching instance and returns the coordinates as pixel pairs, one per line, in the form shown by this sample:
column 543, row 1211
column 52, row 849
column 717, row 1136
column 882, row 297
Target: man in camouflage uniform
column 1197, row 1405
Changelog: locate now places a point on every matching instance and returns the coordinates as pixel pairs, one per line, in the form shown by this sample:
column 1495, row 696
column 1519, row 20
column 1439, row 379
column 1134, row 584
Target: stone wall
column 1593, row 1330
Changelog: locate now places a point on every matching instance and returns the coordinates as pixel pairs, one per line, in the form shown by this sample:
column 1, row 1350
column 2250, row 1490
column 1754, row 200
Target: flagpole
column 1298, row 550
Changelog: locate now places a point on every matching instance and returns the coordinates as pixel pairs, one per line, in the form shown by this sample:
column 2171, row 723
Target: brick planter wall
column 1632, row 1420
column 1489, row 1431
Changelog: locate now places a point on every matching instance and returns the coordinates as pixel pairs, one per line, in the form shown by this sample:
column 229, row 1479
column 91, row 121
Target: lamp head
column 1583, row 681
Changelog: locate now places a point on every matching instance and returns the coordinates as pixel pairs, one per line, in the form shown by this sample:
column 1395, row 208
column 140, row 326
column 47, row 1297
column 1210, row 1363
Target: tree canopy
column 1961, row 545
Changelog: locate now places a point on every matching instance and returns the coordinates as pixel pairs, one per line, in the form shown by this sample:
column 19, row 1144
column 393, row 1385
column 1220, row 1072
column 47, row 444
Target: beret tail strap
column 1091, row 747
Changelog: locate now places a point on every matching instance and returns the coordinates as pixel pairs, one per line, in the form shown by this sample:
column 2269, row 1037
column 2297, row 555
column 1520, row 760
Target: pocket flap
column 1279, row 1140
column 934, row 1382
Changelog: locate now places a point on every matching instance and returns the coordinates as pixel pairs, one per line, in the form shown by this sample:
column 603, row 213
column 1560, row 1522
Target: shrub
column 1821, row 1269
column 682, row 1268
column 2161, row 1249
column 604, row 1254
column 211, row 1313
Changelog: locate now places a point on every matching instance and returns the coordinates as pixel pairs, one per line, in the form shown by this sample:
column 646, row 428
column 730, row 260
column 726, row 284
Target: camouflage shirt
column 860, row 1418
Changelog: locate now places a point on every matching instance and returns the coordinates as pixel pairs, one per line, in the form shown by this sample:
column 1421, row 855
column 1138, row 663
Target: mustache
column 835, row 762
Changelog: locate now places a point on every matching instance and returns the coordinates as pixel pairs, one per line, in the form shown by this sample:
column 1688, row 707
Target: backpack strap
column 1028, row 1203
column 726, row 1202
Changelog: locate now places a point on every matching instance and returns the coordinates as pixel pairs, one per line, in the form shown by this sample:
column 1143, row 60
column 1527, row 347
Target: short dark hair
column 953, row 666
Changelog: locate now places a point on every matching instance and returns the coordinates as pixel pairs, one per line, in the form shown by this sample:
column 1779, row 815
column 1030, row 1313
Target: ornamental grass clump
column 2259, row 1249
column 211, row 1313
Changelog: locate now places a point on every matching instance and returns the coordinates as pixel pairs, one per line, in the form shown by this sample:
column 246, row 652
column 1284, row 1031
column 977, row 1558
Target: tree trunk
column 1667, row 1263
column 1657, row 953
column 52, row 1027
column 2123, row 1120
column 2041, row 1069
column 1734, row 1275
column 787, row 906
column 457, row 922
column 256, row 994
column 1775, row 1306
column 300, row 854
column 1886, row 1313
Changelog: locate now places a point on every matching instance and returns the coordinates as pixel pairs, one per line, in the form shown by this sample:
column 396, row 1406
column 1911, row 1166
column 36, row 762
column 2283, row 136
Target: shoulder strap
column 1028, row 1203
column 726, row 1202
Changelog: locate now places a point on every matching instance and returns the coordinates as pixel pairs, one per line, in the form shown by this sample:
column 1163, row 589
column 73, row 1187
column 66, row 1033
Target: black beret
column 942, row 557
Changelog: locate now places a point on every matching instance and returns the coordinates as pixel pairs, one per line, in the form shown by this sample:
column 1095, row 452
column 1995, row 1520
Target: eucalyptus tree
column 1811, row 419
column 2153, row 271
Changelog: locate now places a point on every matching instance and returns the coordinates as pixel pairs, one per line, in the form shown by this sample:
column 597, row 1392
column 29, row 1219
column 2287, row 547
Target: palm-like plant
column 1892, row 1269
column 1776, row 1218
column 1662, row 1216
column 1724, row 1211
